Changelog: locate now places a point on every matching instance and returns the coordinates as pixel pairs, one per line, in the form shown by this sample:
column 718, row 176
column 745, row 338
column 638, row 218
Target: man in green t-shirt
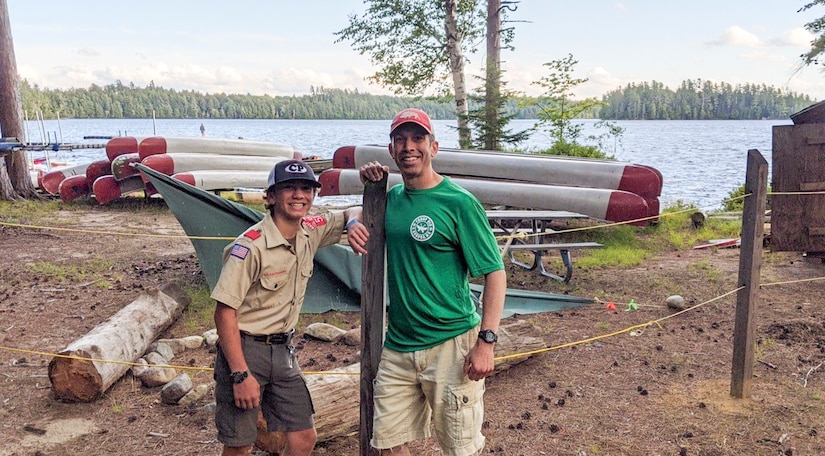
column 438, row 350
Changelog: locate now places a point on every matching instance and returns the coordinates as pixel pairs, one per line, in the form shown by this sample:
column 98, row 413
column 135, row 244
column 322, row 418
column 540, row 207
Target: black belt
column 271, row 339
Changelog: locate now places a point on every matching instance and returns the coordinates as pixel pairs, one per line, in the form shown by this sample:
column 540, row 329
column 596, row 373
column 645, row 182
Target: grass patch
column 627, row 246
column 89, row 271
column 28, row 210
column 200, row 312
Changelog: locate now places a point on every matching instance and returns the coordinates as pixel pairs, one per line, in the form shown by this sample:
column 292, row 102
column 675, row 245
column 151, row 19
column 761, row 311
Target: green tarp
column 202, row 214
column 336, row 281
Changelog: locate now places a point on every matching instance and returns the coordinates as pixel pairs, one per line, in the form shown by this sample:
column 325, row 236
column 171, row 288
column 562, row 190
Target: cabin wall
column 798, row 160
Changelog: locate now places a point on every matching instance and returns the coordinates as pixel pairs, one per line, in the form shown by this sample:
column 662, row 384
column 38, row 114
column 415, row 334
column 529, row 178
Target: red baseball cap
column 413, row 115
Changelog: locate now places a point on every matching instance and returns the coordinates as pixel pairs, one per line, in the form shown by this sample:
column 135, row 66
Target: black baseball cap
column 289, row 170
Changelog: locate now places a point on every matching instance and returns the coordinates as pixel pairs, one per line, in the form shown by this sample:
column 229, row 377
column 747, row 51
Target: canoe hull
column 170, row 164
column 223, row 179
column 603, row 204
column 567, row 171
column 219, row 146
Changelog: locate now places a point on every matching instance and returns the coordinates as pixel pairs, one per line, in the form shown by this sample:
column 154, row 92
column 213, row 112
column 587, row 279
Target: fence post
column 750, row 264
column 372, row 304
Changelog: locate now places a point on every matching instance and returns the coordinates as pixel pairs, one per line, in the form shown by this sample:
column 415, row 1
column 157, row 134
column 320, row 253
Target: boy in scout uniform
column 259, row 295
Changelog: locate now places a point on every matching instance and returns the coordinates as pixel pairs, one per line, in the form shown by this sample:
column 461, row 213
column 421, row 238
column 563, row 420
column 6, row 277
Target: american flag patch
column 239, row 251
column 314, row 221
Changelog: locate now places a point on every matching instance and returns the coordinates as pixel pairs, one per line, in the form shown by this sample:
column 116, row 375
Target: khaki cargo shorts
column 413, row 390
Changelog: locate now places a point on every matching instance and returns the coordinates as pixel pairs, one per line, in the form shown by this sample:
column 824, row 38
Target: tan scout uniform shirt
column 264, row 277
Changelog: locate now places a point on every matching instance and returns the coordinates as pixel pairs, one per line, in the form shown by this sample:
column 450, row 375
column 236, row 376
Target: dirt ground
column 663, row 389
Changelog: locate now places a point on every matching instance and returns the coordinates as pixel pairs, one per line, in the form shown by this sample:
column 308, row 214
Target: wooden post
column 750, row 264
column 372, row 304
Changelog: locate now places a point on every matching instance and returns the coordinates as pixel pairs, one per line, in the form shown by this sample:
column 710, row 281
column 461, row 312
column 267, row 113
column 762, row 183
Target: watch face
column 488, row 336
column 238, row 377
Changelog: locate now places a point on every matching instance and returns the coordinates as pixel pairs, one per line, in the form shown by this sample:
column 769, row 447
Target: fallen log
column 124, row 337
column 336, row 397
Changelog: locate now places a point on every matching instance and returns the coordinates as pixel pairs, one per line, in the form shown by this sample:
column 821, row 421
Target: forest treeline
column 692, row 100
column 701, row 100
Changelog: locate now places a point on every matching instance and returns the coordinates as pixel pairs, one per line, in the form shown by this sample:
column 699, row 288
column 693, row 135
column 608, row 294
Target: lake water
column 701, row 161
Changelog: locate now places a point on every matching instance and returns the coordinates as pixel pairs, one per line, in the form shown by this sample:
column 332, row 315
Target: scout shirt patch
column 253, row 234
column 239, row 251
column 314, row 221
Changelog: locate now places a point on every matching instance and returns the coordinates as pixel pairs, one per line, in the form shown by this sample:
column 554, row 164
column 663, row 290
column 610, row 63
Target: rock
column 324, row 331
column 163, row 349
column 195, row 394
column 192, row 342
column 210, row 338
column 155, row 358
column 157, row 376
column 177, row 345
column 352, row 337
column 173, row 391
column 137, row 371
column 675, row 302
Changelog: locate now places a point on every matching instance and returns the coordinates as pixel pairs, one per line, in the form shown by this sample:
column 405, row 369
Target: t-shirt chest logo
column 422, row 228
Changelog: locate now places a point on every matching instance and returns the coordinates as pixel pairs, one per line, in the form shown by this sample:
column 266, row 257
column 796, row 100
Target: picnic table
column 526, row 230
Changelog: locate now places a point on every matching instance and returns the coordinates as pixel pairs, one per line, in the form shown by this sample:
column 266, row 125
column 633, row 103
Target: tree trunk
column 14, row 180
column 457, row 69
column 336, row 397
column 124, row 337
column 493, row 80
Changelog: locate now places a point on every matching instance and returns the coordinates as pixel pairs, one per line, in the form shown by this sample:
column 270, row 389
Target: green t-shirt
column 436, row 239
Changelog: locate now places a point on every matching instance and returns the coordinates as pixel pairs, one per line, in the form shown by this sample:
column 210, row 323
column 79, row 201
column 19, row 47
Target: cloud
column 737, row 36
column 797, row 37
column 88, row 52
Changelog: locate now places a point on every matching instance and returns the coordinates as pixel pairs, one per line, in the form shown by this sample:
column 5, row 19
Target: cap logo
column 295, row 168
column 408, row 115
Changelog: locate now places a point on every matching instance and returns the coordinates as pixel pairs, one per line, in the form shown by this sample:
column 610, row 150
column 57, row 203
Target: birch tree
column 420, row 45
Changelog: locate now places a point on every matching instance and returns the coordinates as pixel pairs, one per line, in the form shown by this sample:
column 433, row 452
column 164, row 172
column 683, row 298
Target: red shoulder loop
column 253, row 234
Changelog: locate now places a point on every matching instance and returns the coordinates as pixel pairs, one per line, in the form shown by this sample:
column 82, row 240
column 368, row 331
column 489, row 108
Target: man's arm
column 247, row 393
column 480, row 362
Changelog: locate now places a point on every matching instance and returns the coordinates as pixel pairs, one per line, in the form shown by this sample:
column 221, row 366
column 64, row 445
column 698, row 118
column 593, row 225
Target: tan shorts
column 411, row 389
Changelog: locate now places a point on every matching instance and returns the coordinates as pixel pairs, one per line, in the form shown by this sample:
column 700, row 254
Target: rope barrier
column 508, row 238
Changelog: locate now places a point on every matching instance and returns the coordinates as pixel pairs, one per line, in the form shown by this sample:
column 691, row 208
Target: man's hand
column 247, row 393
column 373, row 171
column 480, row 362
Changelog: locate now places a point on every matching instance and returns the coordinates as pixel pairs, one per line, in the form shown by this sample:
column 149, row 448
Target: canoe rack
column 535, row 224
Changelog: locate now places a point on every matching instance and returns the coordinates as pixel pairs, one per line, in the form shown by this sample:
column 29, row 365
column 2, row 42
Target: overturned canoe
column 73, row 187
column 107, row 189
column 96, row 169
column 220, row 146
column 116, row 147
column 50, row 182
column 223, row 179
column 172, row 163
column 122, row 166
column 599, row 203
column 554, row 170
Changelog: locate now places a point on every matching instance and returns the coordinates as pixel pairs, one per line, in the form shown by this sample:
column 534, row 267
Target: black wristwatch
column 488, row 335
column 239, row 377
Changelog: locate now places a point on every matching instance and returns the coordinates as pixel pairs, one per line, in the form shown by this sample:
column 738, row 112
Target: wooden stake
column 750, row 264
column 372, row 304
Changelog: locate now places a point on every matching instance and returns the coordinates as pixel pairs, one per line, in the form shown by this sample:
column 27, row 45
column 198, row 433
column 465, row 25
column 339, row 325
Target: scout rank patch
column 314, row 221
column 253, row 234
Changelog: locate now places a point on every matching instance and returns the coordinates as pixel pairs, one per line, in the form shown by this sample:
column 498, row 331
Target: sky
column 279, row 47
